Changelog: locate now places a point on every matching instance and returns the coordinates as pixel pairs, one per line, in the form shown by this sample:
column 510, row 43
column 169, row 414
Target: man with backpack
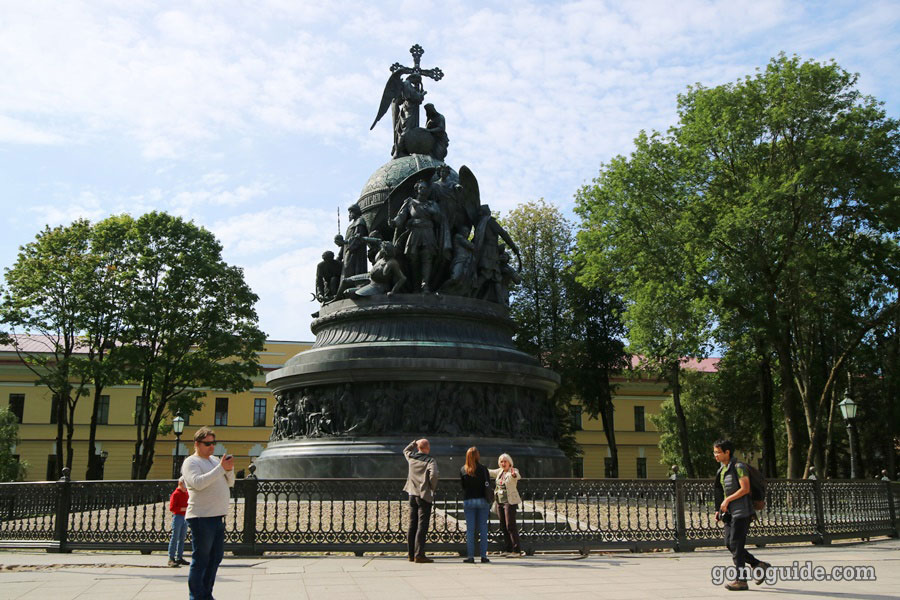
column 735, row 509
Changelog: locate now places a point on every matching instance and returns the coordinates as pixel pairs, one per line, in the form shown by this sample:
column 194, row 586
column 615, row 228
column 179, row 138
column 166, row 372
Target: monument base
column 377, row 457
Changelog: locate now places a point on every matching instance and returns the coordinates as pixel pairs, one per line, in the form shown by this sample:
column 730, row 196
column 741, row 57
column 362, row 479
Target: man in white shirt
column 208, row 481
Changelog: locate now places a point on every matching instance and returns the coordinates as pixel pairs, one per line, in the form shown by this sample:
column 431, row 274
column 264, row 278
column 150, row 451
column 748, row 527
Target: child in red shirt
column 178, row 502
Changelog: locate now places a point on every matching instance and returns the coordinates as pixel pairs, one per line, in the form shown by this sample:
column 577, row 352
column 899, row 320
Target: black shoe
column 765, row 570
column 470, row 560
column 181, row 561
column 173, row 563
column 423, row 559
column 485, row 559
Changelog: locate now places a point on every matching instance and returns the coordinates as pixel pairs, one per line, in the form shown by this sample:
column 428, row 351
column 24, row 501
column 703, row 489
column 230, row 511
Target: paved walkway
column 101, row 576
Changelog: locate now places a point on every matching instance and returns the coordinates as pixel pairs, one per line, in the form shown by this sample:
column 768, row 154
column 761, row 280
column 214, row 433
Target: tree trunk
column 607, row 415
column 675, row 383
column 828, row 467
column 147, row 454
column 94, row 465
column 60, row 425
column 70, row 433
column 789, row 404
column 767, row 393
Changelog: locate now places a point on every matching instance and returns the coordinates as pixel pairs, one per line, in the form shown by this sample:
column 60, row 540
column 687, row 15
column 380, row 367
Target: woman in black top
column 476, row 484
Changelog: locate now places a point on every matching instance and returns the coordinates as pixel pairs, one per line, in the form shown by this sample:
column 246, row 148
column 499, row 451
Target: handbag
column 488, row 488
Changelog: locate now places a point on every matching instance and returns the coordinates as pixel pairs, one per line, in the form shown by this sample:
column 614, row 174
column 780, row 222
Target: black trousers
column 508, row 527
column 419, row 514
column 736, row 538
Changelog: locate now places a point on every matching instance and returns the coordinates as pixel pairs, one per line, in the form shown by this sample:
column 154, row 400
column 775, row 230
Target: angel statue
column 404, row 96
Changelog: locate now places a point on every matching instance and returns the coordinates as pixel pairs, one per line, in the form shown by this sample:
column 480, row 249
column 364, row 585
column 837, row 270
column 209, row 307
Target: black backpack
column 757, row 488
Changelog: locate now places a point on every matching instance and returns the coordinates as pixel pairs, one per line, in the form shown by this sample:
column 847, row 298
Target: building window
column 259, row 412
column 221, row 411
column 642, row 468
column 139, row 408
column 17, row 405
column 54, row 409
column 639, row 419
column 578, row 467
column 52, row 469
column 575, row 415
column 608, row 470
column 103, row 410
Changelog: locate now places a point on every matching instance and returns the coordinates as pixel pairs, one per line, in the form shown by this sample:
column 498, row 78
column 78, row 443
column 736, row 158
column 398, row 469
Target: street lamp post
column 178, row 428
column 848, row 410
column 104, row 454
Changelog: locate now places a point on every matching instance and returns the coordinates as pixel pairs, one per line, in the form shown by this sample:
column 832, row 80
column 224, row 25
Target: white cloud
column 274, row 229
column 86, row 205
column 13, row 131
column 285, row 284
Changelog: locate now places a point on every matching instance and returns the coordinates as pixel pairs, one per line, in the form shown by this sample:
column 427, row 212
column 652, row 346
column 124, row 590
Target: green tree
column 595, row 352
column 571, row 327
column 11, row 469
column 772, row 203
column 538, row 304
column 43, row 297
column 104, row 304
column 190, row 323
column 633, row 234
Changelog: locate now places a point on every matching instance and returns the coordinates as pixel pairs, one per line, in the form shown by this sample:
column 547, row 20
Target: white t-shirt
column 208, row 486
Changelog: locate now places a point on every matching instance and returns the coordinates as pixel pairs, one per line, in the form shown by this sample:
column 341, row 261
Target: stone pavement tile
column 329, row 578
column 12, row 591
column 323, row 593
column 54, row 593
column 267, row 576
column 329, row 564
column 281, row 588
column 397, row 584
column 120, row 595
column 436, row 586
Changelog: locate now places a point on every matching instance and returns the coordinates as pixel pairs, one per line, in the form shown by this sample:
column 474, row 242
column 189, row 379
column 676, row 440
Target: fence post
column 250, row 489
column 819, row 505
column 681, row 542
column 63, row 506
column 892, row 506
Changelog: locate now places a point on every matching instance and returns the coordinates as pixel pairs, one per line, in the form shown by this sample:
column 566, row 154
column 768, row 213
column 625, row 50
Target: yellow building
column 242, row 421
column 637, row 438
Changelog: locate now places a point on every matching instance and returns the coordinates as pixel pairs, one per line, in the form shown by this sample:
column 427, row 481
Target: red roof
column 703, row 365
column 35, row 343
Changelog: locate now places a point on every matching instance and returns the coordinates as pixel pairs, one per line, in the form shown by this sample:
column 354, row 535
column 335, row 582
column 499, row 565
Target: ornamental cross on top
column 417, row 53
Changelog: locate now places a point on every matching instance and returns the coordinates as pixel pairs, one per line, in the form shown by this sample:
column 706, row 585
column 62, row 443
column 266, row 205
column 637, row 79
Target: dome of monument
column 387, row 176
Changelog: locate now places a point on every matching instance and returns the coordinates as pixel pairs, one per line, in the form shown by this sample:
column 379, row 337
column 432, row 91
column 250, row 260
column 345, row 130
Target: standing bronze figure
column 416, row 222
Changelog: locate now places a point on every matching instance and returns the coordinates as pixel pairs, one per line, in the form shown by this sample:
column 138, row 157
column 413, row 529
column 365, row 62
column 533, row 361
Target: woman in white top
column 508, row 500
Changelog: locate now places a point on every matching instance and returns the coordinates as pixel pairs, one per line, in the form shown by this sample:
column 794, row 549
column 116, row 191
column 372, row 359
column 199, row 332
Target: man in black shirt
column 736, row 510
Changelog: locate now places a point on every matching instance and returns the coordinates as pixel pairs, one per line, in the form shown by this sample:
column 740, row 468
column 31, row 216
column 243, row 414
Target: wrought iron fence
column 359, row 515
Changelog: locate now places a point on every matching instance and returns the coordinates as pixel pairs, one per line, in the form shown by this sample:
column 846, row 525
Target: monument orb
column 413, row 338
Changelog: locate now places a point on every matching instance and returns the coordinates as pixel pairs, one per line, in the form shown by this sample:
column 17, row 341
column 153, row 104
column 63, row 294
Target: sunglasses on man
column 208, row 444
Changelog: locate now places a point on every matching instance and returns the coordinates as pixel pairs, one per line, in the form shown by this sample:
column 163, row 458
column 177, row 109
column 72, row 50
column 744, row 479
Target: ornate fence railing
column 359, row 515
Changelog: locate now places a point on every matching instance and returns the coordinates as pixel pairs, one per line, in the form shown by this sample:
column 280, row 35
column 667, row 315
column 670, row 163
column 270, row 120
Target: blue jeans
column 179, row 532
column 477, row 511
column 207, row 550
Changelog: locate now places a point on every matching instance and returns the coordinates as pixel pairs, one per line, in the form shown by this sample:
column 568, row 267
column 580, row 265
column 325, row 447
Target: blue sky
column 252, row 118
